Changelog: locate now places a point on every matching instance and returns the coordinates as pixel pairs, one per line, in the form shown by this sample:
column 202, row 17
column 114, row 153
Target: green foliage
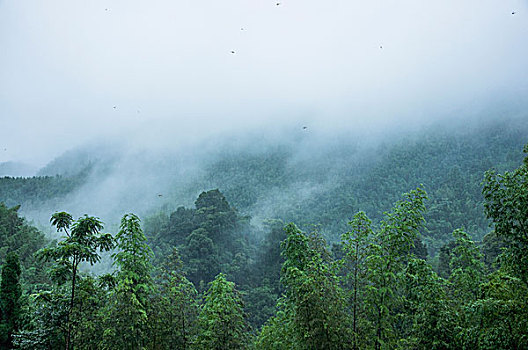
column 444, row 259
column 313, row 293
column 126, row 315
column 82, row 243
column 279, row 331
column 261, row 288
column 428, row 321
column 499, row 318
column 467, row 268
column 133, row 256
column 212, row 238
column 355, row 248
column 506, row 204
column 10, row 293
column 464, row 289
column 33, row 192
column 91, row 299
column 17, row 236
column 269, row 259
column 389, row 252
column 222, row 320
column 202, row 257
column 259, row 303
column 375, row 292
column 492, row 247
column 174, row 310
column 49, row 323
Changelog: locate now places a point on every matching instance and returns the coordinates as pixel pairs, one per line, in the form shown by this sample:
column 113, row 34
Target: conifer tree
column 222, row 320
column 427, row 316
column 173, row 315
column 388, row 255
column 127, row 313
column 278, row 333
column 313, row 293
column 355, row 249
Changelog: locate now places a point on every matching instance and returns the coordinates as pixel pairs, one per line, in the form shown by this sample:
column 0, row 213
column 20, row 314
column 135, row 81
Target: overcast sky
column 72, row 70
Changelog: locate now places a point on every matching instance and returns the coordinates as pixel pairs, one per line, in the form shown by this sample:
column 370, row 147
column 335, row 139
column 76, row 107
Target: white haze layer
column 162, row 74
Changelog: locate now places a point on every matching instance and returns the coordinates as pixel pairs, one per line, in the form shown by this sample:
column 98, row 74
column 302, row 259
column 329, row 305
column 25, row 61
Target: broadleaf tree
column 82, row 244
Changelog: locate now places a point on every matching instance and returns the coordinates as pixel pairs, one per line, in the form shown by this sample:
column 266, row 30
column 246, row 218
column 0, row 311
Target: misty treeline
column 199, row 280
column 307, row 179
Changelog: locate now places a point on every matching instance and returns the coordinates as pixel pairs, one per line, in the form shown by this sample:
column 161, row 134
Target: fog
column 145, row 97
column 161, row 74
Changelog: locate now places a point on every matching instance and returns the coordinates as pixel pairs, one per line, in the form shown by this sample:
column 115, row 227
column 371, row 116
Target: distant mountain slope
column 329, row 188
column 451, row 166
column 32, row 192
column 312, row 180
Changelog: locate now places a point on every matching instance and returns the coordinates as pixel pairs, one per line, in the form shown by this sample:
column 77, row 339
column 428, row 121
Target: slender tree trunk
column 377, row 346
column 72, row 301
column 354, row 326
column 184, row 330
column 380, row 318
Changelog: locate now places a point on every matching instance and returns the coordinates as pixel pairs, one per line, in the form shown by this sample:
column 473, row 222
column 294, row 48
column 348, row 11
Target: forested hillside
column 32, row 192
column 263, row 175
column 327, row 190
column 306, row 180
column 200, row 278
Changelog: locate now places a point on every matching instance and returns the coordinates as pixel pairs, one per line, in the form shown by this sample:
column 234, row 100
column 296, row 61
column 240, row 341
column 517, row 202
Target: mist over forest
column 272, row 175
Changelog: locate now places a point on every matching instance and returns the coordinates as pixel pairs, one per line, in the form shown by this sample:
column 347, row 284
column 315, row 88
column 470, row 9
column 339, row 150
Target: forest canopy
column 200, row 279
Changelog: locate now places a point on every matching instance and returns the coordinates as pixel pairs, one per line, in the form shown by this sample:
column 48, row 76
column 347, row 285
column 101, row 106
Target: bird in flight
column 305, row 127
column 115, row 107
column 513, row 12
column 232, row 51
column 277, row 4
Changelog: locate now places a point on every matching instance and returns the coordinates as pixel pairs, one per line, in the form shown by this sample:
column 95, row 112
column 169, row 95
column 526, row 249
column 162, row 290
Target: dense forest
column 306, row 179
column 271, row 175
column 350, row 264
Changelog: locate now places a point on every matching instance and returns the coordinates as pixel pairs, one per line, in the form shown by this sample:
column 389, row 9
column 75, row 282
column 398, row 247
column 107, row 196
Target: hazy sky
column 71, row 70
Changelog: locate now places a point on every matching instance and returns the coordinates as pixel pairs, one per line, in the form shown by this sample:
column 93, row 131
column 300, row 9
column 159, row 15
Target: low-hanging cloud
column 165, row 72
